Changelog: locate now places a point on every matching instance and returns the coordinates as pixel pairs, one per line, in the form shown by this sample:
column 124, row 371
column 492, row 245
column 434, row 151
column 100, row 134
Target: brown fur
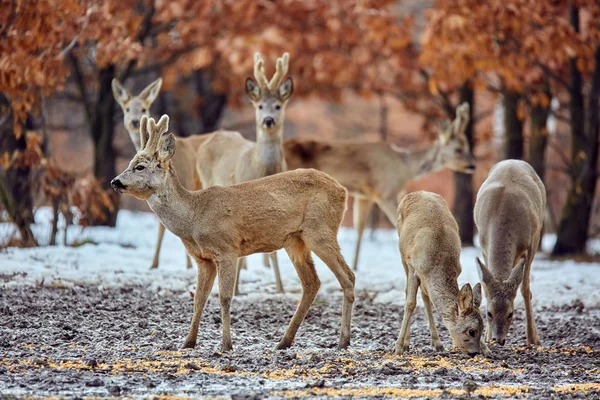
column 299, row 211
column 227, row 158
column 184, row 162
column 509, row 213
column 430, row 249
column 375, row 172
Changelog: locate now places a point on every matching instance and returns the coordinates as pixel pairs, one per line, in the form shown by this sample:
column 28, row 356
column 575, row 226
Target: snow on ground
column 122, row 256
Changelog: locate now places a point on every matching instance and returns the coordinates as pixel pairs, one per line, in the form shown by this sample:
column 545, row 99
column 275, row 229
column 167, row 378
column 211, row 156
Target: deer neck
column 444, row 296
column 135, row 138
column 172, row 204
column 268, row 152
column 423, row 161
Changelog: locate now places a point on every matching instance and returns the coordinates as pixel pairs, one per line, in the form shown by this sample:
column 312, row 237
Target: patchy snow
column 122, row 255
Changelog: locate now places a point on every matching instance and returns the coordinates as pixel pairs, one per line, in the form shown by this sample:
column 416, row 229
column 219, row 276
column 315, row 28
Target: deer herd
column 227, row 197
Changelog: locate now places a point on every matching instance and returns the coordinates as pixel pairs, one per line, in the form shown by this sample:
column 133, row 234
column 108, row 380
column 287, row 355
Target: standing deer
column 299, row 211
column 430, row 249
column 228, row 158
column 376, row 172
column 509, row 212
column 134, row 108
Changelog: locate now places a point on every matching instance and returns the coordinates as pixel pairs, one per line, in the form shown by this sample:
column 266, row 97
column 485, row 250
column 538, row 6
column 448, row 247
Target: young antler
column 259, row 72
column 281, row 70
column 151, row 132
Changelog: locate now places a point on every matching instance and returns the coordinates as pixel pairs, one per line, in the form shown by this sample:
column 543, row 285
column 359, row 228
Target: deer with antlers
column 134, row 108
column 376, row 172
column 299, row 211
column 228, row 158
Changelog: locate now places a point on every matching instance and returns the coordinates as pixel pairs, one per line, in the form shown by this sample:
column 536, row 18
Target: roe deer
column 299, row 211
column 376, row 172
column 134, row 108
column 228, row 158
column 430, row 249
column 509, row 213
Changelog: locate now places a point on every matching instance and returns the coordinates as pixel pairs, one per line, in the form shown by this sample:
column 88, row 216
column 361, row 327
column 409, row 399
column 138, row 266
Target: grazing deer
column 430, row 249
column 376, row 172
column 134, row 108
column 299, row 211
column 228, row 158
column 509, row 213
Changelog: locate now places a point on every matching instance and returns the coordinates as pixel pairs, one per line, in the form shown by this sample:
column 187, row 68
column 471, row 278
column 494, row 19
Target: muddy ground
column 89, row 341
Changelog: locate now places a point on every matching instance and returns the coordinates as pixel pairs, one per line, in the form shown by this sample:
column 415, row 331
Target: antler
column 155, row 131
column 143, row 131
column 281, row 71
column 259, row 72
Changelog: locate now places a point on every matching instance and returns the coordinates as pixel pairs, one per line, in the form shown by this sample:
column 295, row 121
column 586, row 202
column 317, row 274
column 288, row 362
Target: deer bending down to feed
column 227, row 158
column 299, row 211
column 430, row 249
column 134, row 108
column 509, row 213
column 376, row 172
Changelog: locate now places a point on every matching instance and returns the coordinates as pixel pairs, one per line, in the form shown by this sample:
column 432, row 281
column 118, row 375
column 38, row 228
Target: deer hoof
column 226, row 347
column 154, row 266
column 189, row 344
column 438, row 347
column 399, row 350
column 284, row 344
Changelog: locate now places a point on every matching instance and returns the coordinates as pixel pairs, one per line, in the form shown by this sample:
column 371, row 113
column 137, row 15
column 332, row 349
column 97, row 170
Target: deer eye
column 490, row 315
column 139, row 168
column 472, row 332
column 260, row 107
column 278, row 107
column 127, row 109
column 143, row 111
column 510, row 315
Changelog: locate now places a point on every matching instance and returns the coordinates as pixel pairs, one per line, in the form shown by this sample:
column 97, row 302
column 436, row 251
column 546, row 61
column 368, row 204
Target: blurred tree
column 32, row 48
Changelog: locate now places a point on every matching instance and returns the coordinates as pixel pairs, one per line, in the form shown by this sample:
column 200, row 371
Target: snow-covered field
column 122, row 256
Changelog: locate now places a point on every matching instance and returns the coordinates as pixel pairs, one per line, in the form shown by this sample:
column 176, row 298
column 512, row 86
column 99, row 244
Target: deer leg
column 266, row 260
column 362, row 208
column 532, row 334
column 226, row 269
column 188, row 260
column 278, row 283
column 389, row 206
column 303, row 263
column 412, row 286
column 204, row 283
column 328, row 250
column 239, row 265
column 435, row 337
column 161, row 233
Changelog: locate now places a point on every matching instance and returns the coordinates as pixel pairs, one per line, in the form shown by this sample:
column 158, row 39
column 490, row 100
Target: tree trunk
column 16, row 182
column 538, row 140
column 463, row 183
column 513, row 127
column 211, row 105
column 105, row 156
column 574, row 224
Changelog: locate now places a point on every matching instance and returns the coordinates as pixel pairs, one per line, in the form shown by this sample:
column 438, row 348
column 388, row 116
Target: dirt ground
column 89, row 341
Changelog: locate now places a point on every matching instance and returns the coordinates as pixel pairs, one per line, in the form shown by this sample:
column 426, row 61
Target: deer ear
column 150, row 92
column 516, row 276
column 465, row 299
column 477, row 295
column 445, row 132
column 167, row 150
column 286, row 89
column 120, row 94
column 484, row 274
column 252, row 89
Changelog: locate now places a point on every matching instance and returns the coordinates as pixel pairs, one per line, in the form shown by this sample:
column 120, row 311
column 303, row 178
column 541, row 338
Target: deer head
column 270, row 98
column 500, row 297
column 454, row 146
column 135, row 107
column 466, row 325
column 147, row 170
